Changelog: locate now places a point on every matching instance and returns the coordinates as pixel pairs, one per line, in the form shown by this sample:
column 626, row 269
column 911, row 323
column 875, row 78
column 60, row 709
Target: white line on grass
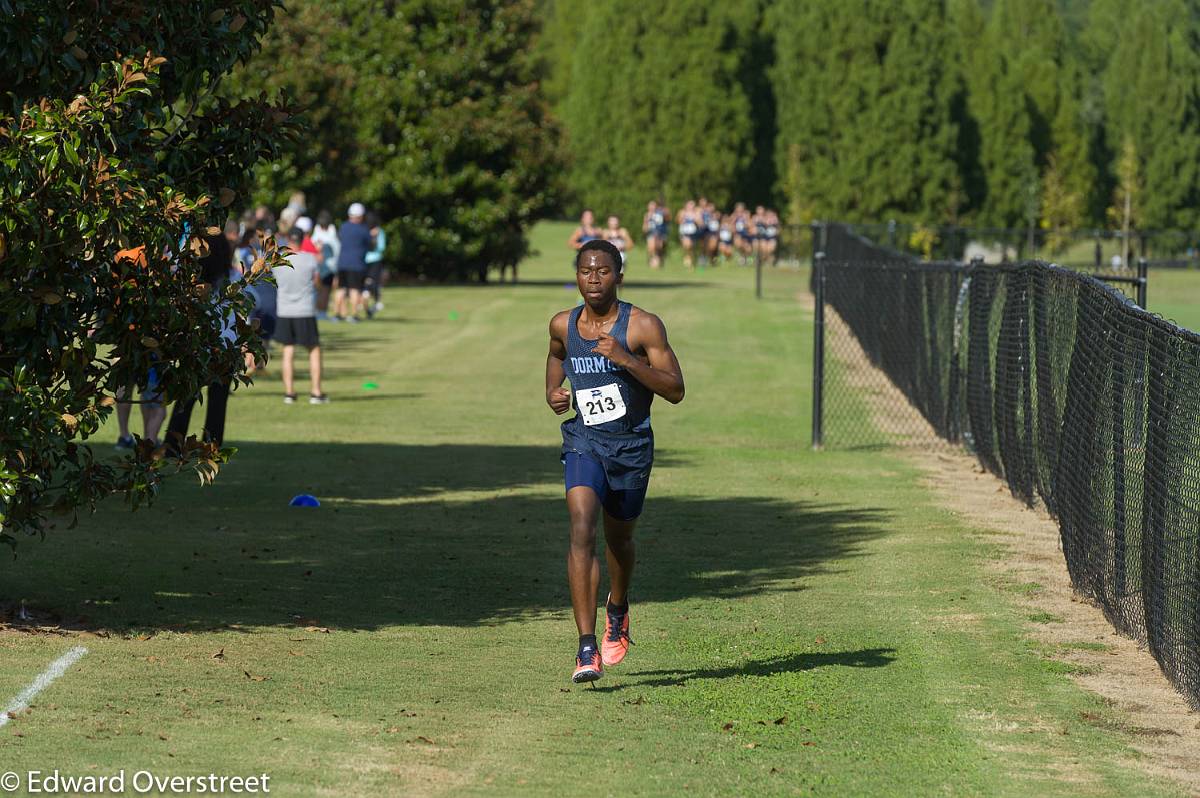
column 56, row 669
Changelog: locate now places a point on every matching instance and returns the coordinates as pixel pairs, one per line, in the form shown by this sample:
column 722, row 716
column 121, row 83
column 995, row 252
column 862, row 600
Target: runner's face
column 597, row 278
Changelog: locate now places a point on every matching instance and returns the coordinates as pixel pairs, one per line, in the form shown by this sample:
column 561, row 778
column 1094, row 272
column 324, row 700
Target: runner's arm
column 662, row 373
column 558, row 397
column 573, row 241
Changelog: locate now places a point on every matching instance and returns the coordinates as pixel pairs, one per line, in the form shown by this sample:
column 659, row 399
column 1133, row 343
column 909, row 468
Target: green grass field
column 806, row 623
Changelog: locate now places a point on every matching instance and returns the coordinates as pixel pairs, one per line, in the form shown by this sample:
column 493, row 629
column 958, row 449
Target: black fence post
column 757, row 273
column 1143, row 274
column 818, row 406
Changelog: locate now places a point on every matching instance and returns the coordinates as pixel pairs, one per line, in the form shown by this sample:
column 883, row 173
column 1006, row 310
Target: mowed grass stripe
column 823, row 591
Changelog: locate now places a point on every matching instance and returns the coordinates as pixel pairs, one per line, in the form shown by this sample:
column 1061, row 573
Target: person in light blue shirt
column 375, row 268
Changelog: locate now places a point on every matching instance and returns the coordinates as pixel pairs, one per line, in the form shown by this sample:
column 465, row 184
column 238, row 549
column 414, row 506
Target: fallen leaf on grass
column 752, row 745
column 163, row 737
column 820, row 641
column 255, row 678
column 321, row 629
column 220, row 655
column 781, row 721
column 727, row 727
column 425, row 739
column 635, row 701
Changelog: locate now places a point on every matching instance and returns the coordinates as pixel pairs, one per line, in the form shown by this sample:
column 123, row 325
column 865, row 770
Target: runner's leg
column 619, row 551
column 583, row 566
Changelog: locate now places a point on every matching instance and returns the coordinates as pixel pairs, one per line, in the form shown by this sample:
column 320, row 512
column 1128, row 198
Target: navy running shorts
column 582, row 471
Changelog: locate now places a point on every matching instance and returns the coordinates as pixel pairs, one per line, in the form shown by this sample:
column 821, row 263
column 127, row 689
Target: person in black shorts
column 297, row 322
column 617, row 358
column 356, row 241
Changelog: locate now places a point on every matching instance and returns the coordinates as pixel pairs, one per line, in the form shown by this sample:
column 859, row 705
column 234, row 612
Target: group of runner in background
column 706, row 236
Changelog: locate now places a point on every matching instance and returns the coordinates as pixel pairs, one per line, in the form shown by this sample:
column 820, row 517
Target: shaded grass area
column 805, row 623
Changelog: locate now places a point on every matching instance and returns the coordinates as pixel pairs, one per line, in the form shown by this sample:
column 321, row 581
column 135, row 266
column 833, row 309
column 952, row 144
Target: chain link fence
column 1060, row 385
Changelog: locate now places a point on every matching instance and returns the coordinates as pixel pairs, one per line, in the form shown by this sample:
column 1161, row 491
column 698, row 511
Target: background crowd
column 706, row 235
column 328, row 264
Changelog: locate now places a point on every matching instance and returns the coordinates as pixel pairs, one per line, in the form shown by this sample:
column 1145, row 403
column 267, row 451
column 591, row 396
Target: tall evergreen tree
column 1035, row 156
column 865, row 98
column 1150, row 55
column 656, row 105
column 562, row 21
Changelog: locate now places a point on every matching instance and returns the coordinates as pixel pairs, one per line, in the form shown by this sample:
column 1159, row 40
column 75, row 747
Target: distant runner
column 619, row 237
column 585, row 232
column 617, row 358
column 654, row 225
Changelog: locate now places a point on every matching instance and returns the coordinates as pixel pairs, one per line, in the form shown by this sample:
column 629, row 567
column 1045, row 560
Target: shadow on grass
column 407, row 535
column 568, row 282
column 866, row 658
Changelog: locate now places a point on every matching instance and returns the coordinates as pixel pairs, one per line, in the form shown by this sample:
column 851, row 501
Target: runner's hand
column 608, row 347
column 559, row 400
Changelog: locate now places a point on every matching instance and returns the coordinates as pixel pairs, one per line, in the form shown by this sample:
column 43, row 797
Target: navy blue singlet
column 623, row 445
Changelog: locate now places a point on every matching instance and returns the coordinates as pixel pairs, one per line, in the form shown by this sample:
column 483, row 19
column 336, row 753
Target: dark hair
column 324, row 218
column 214, row 267
column 294, row 233
column 606, row 247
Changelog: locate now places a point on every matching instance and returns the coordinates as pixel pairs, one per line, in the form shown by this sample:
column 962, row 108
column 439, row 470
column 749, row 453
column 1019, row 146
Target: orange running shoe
column 616, row 642
column 587, row 666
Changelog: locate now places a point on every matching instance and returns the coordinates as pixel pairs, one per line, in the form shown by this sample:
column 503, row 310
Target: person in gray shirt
column 296, row 307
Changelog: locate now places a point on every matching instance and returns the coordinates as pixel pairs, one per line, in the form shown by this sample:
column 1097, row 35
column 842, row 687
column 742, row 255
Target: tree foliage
column 1000, row 113
column 1149, row 54
column 114, row 160
column 428, row 111
column 656, row 104
column 865, row 99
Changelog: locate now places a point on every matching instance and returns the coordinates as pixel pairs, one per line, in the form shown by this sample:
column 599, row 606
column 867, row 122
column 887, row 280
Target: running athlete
column 768, row 236
column 690, row 232
column 585, row 232
column 725, row 236
column 617, row 358
column 760, row 229
column 654, row 226
column 743, row 240
column 712, row 225
column 619, row 237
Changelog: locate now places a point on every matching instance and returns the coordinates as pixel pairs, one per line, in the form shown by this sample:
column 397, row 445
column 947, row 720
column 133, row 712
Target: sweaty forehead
column 595, row 259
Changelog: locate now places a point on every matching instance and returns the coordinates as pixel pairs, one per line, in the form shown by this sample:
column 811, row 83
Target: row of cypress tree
column 1004, row 113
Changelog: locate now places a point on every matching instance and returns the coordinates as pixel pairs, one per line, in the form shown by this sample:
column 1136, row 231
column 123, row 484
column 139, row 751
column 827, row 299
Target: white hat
column 357, row 209
column 305, row 224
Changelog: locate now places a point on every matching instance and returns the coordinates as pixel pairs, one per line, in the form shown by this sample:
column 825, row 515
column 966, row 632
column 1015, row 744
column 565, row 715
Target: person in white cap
column 356, row 241
column 305, row 226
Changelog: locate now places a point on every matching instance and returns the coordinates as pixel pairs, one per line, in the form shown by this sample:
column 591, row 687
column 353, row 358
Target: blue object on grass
column 304, row 500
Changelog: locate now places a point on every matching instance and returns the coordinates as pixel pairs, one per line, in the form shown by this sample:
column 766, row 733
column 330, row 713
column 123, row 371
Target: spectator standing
column 214, row 270
column 325, row 238
column 297, row 323
column 374, row 266
column 153, row 412
column 356, row 241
